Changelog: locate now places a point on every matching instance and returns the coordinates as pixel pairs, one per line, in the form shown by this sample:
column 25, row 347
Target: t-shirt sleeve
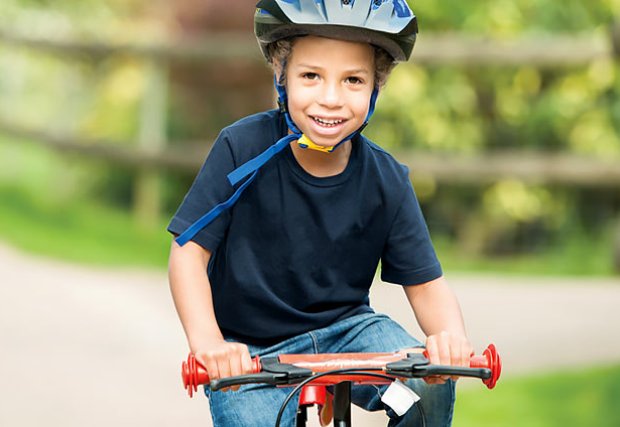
column 409, row 257
column 210, row 188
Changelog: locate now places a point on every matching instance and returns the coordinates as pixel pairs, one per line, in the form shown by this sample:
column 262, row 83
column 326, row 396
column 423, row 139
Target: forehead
column 323, row 51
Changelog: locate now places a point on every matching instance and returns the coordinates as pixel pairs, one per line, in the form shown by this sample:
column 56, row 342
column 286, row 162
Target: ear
column 278, row 70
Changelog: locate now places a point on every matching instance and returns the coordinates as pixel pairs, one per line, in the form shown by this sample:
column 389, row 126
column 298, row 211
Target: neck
column 321, row 164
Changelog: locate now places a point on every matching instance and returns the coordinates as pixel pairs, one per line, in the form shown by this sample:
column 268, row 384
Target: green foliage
column 93, row 99
column 83, row 231
column 576, row 254
column 52, row 210
column 568, row 399
column 431, row 108
column 467, row 110
column 475, row 109
column 470, row 109
column 92, row 18
column 507, row 18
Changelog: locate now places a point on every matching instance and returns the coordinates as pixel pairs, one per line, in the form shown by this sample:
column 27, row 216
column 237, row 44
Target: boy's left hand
column 447, row 348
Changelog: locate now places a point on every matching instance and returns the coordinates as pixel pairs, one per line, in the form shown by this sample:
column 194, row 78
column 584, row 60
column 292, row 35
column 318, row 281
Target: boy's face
column 329, row 83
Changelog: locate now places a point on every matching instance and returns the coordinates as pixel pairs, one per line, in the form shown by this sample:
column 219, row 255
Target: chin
column 328, row 141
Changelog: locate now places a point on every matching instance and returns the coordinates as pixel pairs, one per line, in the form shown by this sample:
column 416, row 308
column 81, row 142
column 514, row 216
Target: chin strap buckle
column 305, row 142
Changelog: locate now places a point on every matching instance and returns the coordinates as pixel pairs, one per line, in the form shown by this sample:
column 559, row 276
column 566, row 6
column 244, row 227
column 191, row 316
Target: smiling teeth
column 327, row 122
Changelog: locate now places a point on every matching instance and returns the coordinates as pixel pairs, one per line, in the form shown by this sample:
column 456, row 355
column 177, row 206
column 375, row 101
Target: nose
column 331, row 95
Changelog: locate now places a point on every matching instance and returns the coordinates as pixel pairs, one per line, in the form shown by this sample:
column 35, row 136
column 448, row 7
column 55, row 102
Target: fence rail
column 531, row 167
column 453, row 49
column 238, row 45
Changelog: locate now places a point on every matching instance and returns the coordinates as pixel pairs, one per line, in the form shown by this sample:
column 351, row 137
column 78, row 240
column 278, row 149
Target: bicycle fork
column 336, row 405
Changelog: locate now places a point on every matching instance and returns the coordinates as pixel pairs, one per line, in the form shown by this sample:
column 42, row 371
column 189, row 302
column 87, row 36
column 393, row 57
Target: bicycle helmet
column 388, row 24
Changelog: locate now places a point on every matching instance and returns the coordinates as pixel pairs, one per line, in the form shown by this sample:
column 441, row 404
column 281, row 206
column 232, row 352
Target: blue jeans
column 258, row 405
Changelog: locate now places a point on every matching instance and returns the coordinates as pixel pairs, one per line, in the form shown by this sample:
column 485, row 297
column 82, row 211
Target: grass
column 87, row 231
column 84, row 232
column 574, row 399
column 576, row 255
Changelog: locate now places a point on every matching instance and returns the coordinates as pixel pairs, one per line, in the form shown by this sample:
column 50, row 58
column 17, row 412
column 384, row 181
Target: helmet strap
column 304, row 141
column 249, row 170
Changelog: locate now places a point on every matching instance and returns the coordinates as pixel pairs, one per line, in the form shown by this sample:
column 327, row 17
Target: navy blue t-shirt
column 298, row 252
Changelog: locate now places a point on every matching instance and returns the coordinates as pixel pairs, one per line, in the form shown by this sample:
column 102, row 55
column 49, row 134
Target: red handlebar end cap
column 494, row 362
column 193, row 374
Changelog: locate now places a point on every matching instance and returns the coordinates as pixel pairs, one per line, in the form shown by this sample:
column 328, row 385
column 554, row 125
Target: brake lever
column 418, row 366
column 260, row 378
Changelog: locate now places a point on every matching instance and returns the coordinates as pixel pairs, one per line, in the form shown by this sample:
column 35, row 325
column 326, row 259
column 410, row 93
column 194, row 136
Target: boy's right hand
column 225, row 359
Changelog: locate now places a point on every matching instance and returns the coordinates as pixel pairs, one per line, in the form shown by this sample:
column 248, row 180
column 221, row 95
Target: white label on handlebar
column 399, row 397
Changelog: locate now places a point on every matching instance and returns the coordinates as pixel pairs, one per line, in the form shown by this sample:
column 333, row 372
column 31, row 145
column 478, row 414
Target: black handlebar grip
column 260, row 378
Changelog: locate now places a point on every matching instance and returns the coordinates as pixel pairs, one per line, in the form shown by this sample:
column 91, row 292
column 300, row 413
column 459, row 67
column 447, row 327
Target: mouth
column 327, row 122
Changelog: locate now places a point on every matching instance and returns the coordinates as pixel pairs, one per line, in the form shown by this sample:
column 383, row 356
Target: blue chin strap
column 252, row 166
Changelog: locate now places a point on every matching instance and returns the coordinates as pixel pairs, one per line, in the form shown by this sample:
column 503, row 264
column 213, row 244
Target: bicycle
column 313, row 373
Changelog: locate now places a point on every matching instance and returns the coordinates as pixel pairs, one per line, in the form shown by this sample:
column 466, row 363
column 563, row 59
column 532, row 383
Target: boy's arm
column 191, row 292
column 439, row 315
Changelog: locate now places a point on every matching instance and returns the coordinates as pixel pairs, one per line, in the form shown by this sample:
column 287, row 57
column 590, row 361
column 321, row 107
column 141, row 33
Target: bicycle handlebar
column 292, row 369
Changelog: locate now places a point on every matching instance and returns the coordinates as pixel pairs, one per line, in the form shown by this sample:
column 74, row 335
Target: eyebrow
column 352, row 71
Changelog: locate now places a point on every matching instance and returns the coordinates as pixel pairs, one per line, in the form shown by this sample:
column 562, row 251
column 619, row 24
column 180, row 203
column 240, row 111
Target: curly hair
column 280, row 51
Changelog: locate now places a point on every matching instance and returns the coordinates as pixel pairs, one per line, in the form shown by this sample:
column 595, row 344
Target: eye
column 310, row 76
column 354, row 80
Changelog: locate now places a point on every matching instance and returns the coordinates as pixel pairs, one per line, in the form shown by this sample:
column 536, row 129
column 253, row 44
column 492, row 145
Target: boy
column 283, row 260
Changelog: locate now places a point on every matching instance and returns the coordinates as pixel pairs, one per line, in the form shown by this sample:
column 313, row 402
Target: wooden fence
column 151, row 153
column 433, row 49
column 539, row 168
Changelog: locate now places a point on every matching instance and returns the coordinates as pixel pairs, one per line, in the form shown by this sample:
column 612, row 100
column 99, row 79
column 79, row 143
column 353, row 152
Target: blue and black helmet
column 389, row 24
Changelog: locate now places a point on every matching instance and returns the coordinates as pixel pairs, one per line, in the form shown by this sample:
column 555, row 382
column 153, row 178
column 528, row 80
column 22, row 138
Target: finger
column 467, row 351
column 234, row 362
column 432, row 350
column 456, row 354
column 230, row 363
column 235, row 367
column 246, row 360
column 210, row 364
column 434, row 379
column 443, row 346
column 223, row 364
column 456, row 357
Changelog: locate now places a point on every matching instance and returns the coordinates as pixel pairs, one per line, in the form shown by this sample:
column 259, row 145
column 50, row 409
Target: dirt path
column 99, row 347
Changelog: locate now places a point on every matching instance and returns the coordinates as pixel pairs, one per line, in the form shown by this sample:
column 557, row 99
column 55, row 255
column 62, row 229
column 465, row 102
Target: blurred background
column 508, row 116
